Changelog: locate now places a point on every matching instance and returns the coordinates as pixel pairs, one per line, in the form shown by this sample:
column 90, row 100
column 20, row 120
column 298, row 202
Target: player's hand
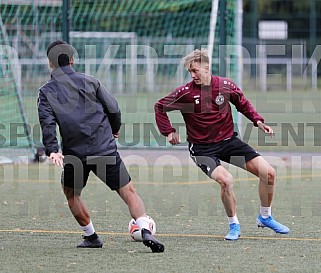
column 116, row 135
column 265, row 128
column 57, row 159
column 174, row 138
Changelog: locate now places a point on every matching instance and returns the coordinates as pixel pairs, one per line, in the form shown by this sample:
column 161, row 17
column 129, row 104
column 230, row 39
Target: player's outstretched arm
column 57, row 159
column 174, row 138
column 265, row 128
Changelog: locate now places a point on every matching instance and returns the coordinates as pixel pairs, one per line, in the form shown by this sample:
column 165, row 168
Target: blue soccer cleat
column 272, row 224
column 234, row 233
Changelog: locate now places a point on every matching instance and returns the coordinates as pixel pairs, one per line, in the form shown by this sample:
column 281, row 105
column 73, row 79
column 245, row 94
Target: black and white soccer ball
column 135, row 231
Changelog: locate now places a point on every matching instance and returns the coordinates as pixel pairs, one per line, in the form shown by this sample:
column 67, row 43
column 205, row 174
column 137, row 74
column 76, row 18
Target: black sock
column 145, row 231
column 92, row 236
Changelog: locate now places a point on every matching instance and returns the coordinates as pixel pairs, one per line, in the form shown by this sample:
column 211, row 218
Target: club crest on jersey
column 197, row 99
column 219, row 100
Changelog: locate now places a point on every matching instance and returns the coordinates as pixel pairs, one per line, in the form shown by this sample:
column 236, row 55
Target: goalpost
column 239, row 77
column 213, row 21
column 233, row 37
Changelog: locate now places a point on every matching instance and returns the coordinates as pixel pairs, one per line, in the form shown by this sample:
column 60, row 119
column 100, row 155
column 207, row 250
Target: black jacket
column 86, row 113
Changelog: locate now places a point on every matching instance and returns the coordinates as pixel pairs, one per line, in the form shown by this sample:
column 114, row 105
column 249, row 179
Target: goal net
column 133, row 47
column 15, row 132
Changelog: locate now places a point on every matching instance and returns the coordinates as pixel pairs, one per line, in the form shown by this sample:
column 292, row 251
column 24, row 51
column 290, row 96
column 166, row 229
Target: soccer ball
column 135, row 231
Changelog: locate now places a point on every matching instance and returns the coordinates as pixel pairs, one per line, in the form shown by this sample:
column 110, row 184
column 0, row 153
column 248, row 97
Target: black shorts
column 110, row 169
column 232, row 150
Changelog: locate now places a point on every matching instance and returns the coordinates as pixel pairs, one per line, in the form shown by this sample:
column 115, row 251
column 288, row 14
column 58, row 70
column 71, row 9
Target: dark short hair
column 59, row 53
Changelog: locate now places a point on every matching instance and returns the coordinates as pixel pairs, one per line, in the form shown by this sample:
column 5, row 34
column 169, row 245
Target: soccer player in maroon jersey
column 204, row 105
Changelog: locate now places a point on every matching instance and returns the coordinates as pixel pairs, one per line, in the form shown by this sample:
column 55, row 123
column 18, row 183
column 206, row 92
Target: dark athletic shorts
column 232, row 150
column 110, row 169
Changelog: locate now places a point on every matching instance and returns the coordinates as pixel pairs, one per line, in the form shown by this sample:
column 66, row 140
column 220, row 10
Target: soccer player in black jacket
column 89, row 120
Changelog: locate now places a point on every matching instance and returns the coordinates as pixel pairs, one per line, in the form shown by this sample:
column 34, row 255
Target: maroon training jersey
column 205, row 109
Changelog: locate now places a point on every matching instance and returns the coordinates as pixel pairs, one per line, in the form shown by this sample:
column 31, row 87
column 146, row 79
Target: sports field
column 38, row 233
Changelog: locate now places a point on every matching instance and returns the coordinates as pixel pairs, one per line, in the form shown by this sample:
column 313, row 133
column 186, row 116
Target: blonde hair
column 197, row 56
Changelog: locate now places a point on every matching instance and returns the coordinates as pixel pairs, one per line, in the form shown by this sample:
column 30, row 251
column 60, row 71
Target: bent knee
column 127, row 192
column 71, row 193
column 127, row 189
column 271, row 175
column 226, row 182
